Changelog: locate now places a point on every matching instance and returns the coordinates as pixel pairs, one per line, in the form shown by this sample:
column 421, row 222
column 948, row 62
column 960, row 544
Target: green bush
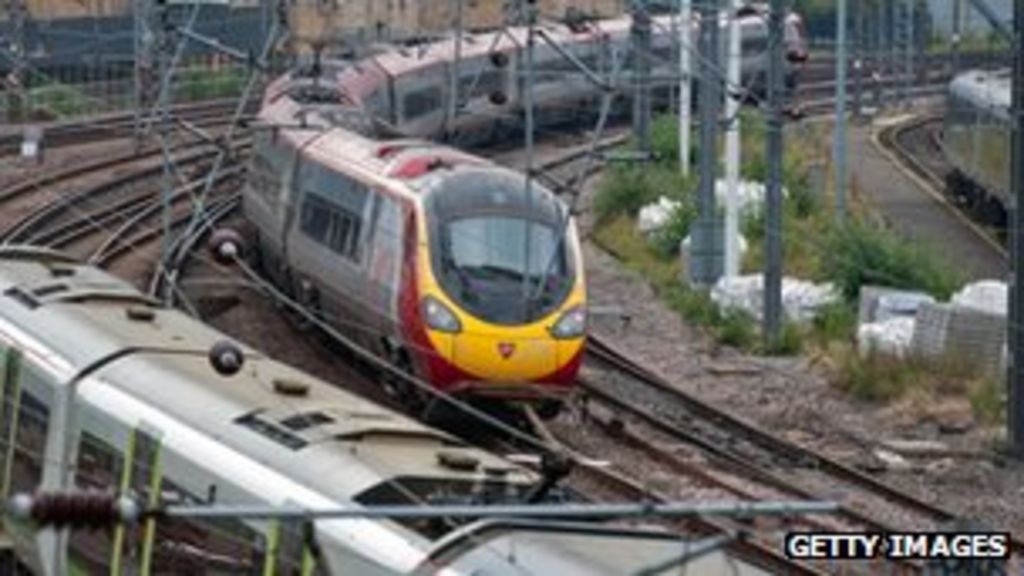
column 876, row 377
column 667, row 239
column 627, row 189
column 58, row 99
column 736, row 328
column 834, row 322
column 623, row 190
column 665, row 140
column 803, row 202
column 790, row 343
column 204, row 83
column 987, row 400
column 859, row 254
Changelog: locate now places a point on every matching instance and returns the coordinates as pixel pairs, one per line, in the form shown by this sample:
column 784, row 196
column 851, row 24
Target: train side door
column 384, row 253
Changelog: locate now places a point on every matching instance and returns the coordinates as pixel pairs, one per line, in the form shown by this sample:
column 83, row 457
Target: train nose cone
column 506, row 349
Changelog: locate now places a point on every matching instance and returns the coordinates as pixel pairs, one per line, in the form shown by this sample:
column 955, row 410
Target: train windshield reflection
column 498, row 256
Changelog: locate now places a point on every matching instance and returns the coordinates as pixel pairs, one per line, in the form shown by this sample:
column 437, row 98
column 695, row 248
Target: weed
column 988, row 401
column 668, row 238
column 834, row 322
column 790, row 343
column 60, row 100
column 736, row 328
column 875, row 377
column 859, row 254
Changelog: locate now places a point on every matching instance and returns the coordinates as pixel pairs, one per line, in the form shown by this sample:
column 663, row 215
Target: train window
column 8, row 403
column 753, row 45
column 336, row 227
column 316, row 217
column 99, row 467
column 489, row 81
column 421, row 102
column 210, row 546
column 405, row 491
column 342, row 230
column 29, row 443
column 344, row 237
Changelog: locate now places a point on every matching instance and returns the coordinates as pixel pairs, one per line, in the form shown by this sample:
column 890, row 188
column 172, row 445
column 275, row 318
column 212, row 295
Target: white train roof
column 158, row 357
column 988, row 89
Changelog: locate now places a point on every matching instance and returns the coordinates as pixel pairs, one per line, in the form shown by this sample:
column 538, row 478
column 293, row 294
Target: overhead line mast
column 732, row 142
column 773, row 200
column 1015, row 325
column 685, row 83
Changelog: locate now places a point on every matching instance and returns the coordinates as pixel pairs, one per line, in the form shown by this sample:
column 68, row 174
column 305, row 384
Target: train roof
column 983, row 88
column 86, row 321
column 409, row 165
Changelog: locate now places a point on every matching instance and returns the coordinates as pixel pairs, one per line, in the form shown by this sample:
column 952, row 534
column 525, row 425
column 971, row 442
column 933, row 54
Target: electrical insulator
column 74, row 510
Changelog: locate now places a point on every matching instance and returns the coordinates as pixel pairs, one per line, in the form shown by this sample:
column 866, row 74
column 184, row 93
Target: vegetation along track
column 638, row 398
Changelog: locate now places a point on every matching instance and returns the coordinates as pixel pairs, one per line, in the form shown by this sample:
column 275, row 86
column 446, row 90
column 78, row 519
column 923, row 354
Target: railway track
column 112, row 126
column 643, row 410
column 915, row 144
column 107, row 218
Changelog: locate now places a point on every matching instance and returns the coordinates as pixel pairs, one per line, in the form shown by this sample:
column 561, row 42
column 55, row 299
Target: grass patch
column 204, row 83
column 834, row 323
column 882, row 378
column 58, row 100
column 877, row 377
column 988, row 401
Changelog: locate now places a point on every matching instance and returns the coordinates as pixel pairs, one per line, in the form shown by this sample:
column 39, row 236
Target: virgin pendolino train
column 433, row 258
column 104, row 390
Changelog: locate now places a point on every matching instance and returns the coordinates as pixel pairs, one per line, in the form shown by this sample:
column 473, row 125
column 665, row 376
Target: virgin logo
column 506, row 349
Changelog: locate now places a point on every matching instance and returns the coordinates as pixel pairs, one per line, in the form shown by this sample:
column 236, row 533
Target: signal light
column 75, row 510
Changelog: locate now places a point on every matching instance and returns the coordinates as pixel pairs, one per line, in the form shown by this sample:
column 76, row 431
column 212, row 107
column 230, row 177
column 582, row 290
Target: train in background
column 105, row 390
column 977, row 143
column 408, row 88
column 432, row 258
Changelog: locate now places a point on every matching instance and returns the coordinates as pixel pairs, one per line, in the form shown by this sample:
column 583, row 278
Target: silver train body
column 409, row 89
column 104, row 390
column 977, row 138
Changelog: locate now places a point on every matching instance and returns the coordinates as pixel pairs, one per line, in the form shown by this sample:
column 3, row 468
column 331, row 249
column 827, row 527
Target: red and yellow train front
column 500, row 287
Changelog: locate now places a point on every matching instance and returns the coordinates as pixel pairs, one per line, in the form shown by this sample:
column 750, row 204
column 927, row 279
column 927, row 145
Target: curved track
column 915, row 146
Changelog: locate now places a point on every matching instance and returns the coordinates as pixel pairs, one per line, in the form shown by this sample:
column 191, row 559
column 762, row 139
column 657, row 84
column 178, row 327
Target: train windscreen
column 502, row 256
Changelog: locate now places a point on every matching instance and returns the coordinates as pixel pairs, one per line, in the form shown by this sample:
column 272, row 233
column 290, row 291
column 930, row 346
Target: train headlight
column 440, row 317
column 572, row 324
